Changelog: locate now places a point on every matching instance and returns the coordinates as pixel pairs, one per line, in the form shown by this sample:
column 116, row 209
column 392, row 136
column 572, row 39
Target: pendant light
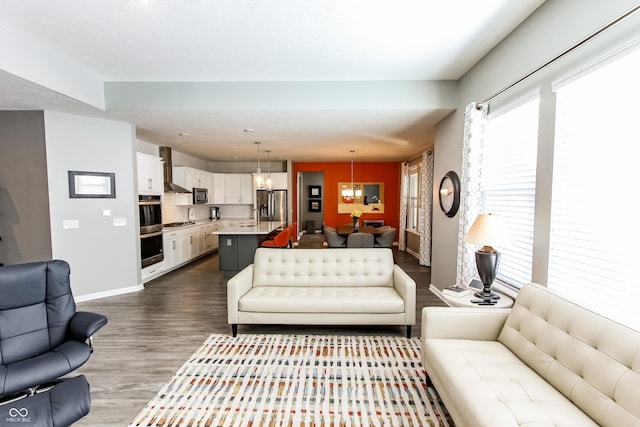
column 268, row 182
column 259, row 179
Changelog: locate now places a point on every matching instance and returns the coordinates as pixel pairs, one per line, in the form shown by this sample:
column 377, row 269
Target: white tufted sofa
column 545, row 362
column 322, row 287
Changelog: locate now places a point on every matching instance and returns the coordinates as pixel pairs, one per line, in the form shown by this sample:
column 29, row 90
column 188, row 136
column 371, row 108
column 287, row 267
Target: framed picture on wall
column 315, row 205
column 315, row 191
column 85, row 185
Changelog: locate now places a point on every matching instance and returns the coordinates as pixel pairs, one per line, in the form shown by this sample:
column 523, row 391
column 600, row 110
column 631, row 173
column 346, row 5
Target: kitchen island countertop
column 248, row 227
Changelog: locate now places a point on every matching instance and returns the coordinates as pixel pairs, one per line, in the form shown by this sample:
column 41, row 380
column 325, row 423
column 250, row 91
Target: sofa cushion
column 280, row 299
column 592, row 360
column 497, row 388
column 323, row 268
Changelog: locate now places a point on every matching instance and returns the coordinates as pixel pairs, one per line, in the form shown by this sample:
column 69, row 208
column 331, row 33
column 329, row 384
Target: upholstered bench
column 545, row 362
column 322, row 287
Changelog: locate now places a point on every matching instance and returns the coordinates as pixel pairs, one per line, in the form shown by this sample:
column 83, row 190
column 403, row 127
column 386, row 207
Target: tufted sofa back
column 35, row 307
column 592, row 360
column 323, row 267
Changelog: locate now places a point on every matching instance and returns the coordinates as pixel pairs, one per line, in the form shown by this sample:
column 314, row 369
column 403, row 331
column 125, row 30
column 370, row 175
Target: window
column 508, row 184
column 412, row 213
column 596, row 174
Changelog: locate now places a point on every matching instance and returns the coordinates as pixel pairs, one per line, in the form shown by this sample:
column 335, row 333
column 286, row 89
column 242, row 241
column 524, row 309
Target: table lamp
column 488, row 230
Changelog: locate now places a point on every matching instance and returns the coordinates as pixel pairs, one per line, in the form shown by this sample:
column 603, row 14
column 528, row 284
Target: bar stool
column 292, row 229
column 280, row 240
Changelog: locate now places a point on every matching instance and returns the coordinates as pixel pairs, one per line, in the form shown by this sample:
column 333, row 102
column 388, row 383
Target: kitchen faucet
column 257, row 217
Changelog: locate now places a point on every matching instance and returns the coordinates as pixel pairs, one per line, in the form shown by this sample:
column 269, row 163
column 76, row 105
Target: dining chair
column 360, row 240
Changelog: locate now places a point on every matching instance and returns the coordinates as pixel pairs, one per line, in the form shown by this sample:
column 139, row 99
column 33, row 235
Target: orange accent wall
column 387, row 172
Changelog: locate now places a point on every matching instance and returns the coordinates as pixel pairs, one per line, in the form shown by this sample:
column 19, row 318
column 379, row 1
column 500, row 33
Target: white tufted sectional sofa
column 545, row 362
column 322, row 287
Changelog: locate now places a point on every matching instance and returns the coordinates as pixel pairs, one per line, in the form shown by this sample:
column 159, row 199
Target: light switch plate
column 106, row 212
column 119, row 222
column 68, row 224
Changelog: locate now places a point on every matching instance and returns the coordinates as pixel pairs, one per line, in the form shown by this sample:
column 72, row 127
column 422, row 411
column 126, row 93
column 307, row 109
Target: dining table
column 345, row 230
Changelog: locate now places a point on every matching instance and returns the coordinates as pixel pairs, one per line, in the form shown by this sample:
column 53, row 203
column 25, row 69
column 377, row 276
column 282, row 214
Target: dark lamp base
column 487, row 295
column 487, row 264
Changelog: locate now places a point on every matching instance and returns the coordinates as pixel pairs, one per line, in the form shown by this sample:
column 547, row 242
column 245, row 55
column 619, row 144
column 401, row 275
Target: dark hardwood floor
column 151, row 333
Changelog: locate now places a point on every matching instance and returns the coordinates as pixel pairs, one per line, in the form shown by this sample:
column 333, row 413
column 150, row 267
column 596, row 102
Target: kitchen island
column 238, row 241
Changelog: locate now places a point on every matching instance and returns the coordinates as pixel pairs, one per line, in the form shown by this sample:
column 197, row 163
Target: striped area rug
column 298, row 380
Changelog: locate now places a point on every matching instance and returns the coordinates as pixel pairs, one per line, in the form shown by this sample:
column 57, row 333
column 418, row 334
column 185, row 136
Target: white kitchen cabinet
column 196, row 245
column 184, row 244
column 184, row 249
column 210, row 241
column 204, row 240
column 219, row 188
column 232, row 185
column 246, row 189
column 190, row 178
column 210, row 188
column 280, row 180
column 171, row 253
column 239, row 188
column 176, row 248
column 150, row 174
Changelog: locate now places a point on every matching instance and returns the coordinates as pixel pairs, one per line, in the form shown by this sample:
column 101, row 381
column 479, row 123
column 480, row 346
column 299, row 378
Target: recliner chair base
column 55, row 405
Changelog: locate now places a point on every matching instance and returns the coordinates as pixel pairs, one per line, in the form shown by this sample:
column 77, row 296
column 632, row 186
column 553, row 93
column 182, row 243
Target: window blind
column 595, row 196
column 508, row 185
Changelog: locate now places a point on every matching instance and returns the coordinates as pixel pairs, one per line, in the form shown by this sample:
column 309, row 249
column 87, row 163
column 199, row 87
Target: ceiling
column 313, row 79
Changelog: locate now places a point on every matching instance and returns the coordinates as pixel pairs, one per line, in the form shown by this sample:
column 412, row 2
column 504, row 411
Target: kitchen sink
column 249, row 224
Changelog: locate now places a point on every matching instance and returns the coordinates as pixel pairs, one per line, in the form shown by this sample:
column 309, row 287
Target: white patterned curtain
column 404, row 202
column 475, row 118
column 425, row 207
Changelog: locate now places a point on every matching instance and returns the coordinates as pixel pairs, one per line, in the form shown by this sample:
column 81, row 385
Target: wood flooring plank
column 152, row 332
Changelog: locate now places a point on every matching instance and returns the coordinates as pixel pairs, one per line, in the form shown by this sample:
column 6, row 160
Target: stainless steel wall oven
column 150, row 210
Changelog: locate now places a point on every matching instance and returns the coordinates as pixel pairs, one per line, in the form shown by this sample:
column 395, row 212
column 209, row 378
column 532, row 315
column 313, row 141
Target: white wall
column 104, row 258
column 444, row 235
column 147, row 148
column 554, row 27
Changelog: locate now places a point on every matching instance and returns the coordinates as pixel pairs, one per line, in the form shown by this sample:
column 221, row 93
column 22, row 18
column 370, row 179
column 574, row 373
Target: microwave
column 200, row 196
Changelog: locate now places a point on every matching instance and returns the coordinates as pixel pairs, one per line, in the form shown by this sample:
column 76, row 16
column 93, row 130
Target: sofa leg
column 234, row 329
column 408, row 331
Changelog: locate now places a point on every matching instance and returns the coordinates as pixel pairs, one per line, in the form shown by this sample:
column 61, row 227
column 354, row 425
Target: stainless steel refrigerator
column 272, row 205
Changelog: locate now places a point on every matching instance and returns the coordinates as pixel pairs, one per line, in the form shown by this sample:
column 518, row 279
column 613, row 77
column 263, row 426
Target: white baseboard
column 110, row 293
column 409, row 251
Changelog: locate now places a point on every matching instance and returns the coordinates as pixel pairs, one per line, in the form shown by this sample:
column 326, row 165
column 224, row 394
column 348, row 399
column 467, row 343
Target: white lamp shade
column 488, row 230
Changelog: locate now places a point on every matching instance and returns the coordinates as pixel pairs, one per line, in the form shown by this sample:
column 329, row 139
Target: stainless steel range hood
column 169, row 185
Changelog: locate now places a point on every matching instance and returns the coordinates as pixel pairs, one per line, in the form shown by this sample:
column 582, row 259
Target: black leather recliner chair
column 43, row 338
